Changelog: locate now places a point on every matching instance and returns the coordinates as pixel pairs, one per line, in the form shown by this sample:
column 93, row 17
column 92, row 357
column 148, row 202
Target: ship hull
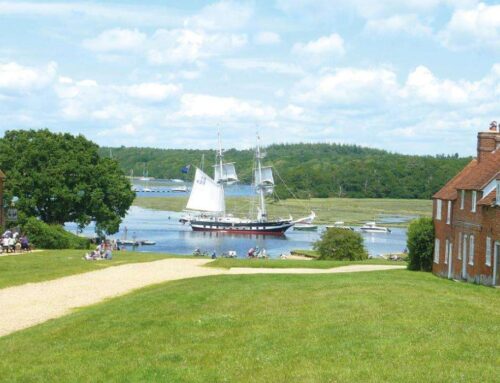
column 264, row 228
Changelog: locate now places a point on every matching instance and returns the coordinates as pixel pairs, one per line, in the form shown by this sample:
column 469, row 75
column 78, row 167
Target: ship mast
column 263, row 213
column 221, row 157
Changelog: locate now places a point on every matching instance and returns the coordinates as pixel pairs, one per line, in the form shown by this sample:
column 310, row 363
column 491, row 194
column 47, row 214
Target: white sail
column 206, row 194
column 267, row 176
column 228, row 173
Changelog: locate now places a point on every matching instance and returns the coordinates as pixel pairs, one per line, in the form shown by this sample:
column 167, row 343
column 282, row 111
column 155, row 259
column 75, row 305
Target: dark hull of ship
column 264, row 228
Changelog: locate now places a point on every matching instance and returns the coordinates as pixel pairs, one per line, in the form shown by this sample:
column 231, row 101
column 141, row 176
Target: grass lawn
column 292, row 263
column 350, row 210
column 392, row 326
column 52, row 264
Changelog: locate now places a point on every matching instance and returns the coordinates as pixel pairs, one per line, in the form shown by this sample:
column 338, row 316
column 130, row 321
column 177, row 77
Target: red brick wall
column 485, row 222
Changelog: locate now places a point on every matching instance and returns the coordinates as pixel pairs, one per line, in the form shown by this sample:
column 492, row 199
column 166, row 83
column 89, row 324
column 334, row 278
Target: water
column 173, row 237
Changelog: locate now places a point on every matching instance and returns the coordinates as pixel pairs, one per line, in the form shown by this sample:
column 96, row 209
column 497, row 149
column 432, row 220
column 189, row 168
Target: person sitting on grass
column 12, row 244
column 25, row 244
column 5, row 244
column 108, row 254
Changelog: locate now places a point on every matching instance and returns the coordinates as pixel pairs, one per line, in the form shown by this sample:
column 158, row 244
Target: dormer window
column 462, row 199
column 474, row 201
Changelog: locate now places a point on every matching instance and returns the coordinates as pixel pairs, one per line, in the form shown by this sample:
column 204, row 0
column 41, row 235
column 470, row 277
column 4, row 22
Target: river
column 170, row 236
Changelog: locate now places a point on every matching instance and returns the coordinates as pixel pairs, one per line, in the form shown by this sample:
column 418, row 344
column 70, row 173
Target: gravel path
column 33, row 303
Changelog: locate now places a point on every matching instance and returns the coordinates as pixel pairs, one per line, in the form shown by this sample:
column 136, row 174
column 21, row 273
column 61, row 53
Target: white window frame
column 436, row 250
column 448, row 213
column 465, row 242
column 474, row 201
column 462, row 199
column 439, row 208
column 446, row 251
column 487, row 257
column 471, row 250
column 459, row 254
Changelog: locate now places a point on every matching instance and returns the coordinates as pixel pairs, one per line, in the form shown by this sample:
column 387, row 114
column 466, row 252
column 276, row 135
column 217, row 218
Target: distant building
column 466, row 214
column 2, row 221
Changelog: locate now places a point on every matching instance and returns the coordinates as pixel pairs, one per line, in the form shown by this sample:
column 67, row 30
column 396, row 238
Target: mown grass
column 393, row 326
column 350, row 210
column 228, row 263
column 51, row 264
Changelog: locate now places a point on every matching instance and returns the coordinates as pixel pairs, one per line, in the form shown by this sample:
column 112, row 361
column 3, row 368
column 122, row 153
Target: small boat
column 305, row 227
column 179, row 189
column 371, row 227
column 146, row 242
column 176, row 180
column 127, row 242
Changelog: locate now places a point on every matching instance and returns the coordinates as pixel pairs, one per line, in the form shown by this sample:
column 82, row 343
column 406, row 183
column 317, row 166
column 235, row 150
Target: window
column 439, row 205
column 436, row 251
column 464, row 247
column 448, row 213
column 462, row 199
column 471, row 250
column 474, row 201
column 446, row 251
column 487, row 259
column 459, row 246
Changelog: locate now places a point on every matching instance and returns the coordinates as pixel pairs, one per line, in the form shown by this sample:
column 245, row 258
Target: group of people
column 255, row 252
column 13, row 241
column 102, row 251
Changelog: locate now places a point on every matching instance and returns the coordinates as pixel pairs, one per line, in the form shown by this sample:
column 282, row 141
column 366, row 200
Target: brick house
column 2, row 222
column 466, row 214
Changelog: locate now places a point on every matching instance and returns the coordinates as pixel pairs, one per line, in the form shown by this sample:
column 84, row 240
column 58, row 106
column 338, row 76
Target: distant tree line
column 310, row 170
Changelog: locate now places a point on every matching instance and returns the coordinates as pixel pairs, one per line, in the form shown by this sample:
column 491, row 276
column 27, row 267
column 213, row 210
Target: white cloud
column 368, row 9
column 153, row 92
column 423, row 86
column 208, row 106
column 267, row 38
column 116, row 40
column 324, row 47
column 346, row 86
column 264, row 65
column 473, row 28
column 16, row 78
column 188, row 46
column 409, row 24
column 222, row 15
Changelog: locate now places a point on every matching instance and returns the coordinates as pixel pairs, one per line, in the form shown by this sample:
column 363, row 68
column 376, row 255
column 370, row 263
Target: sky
column 414, row 76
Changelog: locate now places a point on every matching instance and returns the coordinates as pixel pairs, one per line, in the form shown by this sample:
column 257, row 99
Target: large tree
column 60, row 178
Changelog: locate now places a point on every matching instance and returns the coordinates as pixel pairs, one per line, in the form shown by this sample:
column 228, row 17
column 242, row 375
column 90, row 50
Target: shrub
column 341, row 244
column 47, row 236
column 420, row 244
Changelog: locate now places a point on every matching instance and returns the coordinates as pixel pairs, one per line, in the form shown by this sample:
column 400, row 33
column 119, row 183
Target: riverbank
column 352, row 211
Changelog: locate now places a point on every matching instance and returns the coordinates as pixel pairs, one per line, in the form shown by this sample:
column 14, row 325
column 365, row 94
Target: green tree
column 341, row 244
column 60, row 178
column 420, row 244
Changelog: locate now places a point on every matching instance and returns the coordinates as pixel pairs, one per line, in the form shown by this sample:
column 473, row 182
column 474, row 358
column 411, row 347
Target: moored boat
column 371, row 227
column 207, row 208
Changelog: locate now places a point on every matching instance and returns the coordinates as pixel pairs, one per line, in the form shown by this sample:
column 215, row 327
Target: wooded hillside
column 311, row 170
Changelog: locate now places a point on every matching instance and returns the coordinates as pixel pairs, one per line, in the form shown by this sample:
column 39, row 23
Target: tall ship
column 206, row 207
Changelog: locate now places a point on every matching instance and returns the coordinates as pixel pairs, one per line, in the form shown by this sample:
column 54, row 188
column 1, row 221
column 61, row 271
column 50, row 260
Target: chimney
column 488, row 142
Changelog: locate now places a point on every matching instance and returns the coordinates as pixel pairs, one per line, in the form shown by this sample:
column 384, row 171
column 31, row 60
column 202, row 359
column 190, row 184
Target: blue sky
column 415, row 76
